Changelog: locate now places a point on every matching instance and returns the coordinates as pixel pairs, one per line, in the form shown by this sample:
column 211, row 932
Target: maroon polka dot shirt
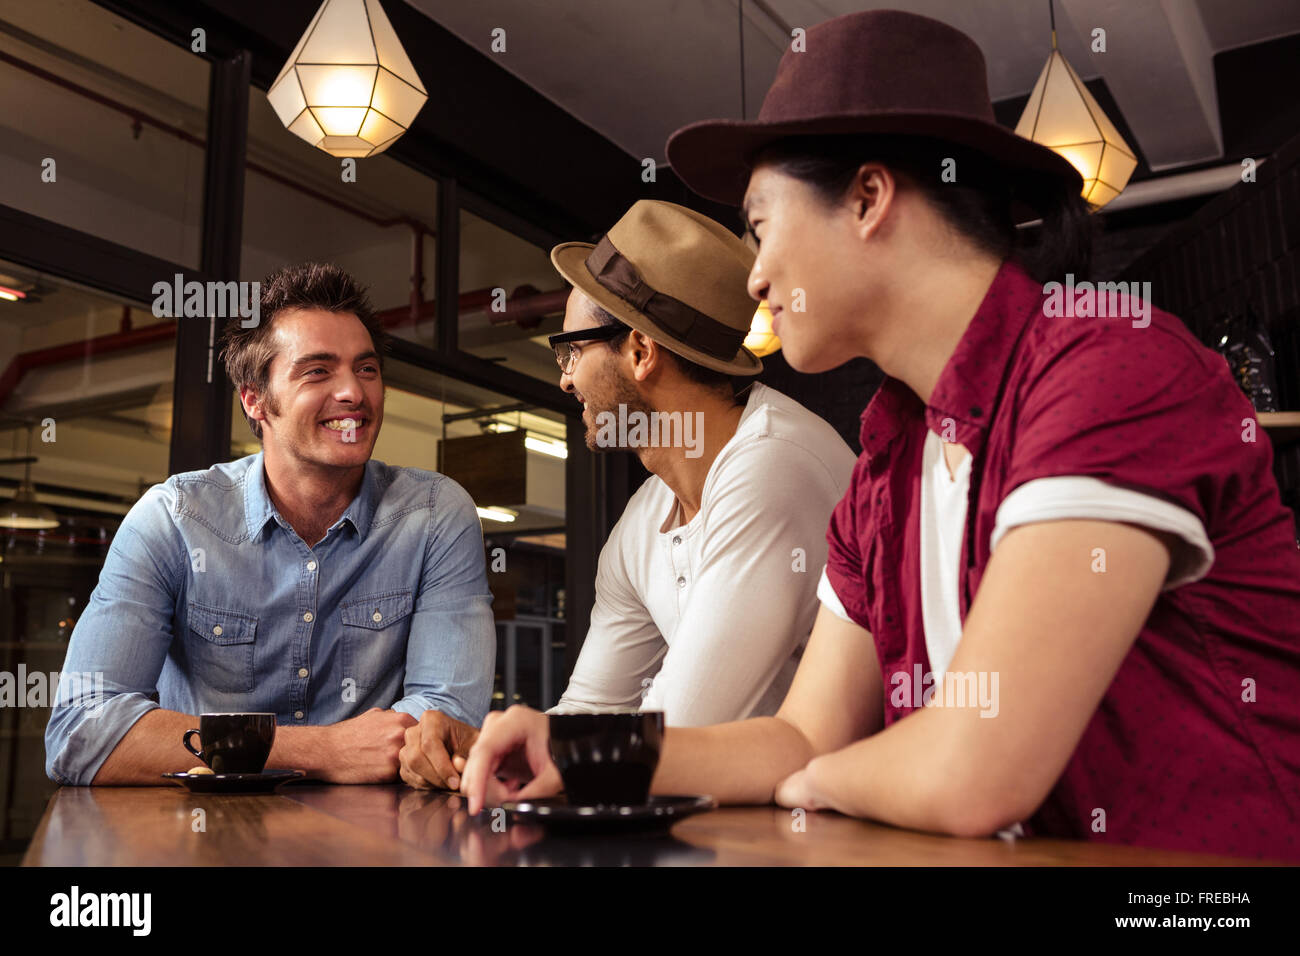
column 1196, row 744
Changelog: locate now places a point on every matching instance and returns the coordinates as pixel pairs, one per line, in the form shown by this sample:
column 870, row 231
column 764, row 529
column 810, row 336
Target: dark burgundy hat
column 881, row 72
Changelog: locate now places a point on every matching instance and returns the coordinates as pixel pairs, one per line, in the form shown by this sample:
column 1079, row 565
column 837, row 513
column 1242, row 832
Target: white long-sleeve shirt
column 706, row 621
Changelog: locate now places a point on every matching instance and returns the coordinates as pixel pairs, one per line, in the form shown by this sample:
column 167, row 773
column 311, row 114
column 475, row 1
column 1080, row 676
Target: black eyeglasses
column 566, row 356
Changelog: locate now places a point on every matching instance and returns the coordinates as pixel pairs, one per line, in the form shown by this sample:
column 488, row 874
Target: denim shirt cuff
column 79, row 740
column 416, row 705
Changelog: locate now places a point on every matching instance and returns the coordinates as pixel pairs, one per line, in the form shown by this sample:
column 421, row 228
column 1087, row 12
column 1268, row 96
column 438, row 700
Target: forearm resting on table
column 948, row 769
column 737, row 763
column 902, row 777
column 943, row 770
column 153, row 746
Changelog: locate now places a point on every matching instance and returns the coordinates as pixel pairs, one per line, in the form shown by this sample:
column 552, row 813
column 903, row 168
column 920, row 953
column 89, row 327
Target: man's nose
column 757, row 282
column 349, row 389
column 566, row 382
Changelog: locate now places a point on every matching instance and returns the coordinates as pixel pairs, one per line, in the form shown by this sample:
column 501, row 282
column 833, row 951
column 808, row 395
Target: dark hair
column 691, row 371
column 247, row 353
column 978, row 203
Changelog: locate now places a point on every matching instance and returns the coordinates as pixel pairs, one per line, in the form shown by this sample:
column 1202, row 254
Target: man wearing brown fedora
column 706, row 588
column 1062, row 567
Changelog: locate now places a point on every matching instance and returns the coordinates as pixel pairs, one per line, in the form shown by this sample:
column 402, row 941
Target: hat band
column 616, row 273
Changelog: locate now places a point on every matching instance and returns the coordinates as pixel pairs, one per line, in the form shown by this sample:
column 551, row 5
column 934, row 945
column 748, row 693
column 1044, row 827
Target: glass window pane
column 423, row 409
column 94, row 376
column 86, row 384
column 126, row 166
column 298, row 206
column 511, row 299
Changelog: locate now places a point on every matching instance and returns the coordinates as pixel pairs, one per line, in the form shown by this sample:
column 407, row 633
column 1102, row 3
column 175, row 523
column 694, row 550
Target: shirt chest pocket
column 375, row 630
column 220, row 646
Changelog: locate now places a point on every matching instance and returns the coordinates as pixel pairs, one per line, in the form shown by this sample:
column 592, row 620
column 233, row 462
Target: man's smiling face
column 595, row 379
column 810, row 267
column 325, row 395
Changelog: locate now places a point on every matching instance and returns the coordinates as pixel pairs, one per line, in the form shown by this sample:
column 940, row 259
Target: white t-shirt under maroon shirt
column 943, row 521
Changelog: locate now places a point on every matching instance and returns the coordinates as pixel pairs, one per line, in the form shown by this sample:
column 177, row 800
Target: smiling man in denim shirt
column 347, row 596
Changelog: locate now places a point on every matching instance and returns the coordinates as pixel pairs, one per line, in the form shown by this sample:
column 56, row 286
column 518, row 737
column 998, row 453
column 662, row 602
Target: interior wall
column 1241, row 252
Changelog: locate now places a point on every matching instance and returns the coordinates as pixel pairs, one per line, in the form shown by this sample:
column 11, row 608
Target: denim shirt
column 210, row 602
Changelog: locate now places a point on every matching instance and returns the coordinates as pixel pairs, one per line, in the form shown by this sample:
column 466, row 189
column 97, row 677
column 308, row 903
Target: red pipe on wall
column 24, row 362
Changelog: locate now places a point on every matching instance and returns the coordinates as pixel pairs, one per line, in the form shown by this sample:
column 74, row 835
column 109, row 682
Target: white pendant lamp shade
column 23, row 511
column 348, row 87
column 1063, row 115
column 761, row 340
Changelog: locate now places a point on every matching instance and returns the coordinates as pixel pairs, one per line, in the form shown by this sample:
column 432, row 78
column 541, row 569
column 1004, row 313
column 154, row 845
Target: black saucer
column 263, row 782
column 557, row 813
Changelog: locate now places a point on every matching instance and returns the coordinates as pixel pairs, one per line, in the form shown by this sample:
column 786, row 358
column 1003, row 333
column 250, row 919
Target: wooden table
column 311, row 824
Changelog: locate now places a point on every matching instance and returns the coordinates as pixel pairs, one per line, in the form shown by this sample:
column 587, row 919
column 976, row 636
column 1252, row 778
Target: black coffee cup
column 233, row 743
column 607, row 759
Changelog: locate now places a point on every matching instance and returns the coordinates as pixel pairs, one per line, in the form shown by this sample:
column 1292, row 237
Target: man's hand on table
column 511, row 760
column 364, row 749
column 430, row 748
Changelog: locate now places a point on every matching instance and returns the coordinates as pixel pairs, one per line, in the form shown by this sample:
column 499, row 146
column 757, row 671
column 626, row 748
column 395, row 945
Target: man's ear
column 872, row 195
column 646, row 355
column 252, row 402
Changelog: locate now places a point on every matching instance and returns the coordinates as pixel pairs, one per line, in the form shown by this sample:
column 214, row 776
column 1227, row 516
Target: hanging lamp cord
column 740, row 18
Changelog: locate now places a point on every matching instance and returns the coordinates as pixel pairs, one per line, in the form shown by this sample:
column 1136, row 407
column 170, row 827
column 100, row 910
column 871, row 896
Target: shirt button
column 311, row 565
column 302, row 672
column 297, row 715
column 217, row 630
column 376, row 617
column 307, row 617
column 681, row 582
column 677, row 539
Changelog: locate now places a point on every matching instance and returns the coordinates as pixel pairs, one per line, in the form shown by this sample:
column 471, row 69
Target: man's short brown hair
column 247, row 353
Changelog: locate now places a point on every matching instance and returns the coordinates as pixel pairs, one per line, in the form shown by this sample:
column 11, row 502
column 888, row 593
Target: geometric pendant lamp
column 348, row 88
column 1062, row 115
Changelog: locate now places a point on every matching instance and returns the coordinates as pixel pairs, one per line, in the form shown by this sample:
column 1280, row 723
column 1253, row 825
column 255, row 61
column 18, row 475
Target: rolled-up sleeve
column 1123, row 451
column 451, row 651
column 117, row 650
column 845, row 571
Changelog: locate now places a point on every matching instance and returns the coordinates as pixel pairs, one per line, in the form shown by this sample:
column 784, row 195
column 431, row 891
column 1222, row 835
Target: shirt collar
column 968, row 387
column 361, row 511
column 259, row 509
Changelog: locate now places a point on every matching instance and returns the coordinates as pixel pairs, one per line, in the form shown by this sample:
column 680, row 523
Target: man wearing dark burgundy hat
column 707, row 587
column 1062, row 592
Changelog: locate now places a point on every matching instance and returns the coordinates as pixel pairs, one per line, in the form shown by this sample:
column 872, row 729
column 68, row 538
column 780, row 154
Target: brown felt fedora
column 675, row 275
column 879, row 72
